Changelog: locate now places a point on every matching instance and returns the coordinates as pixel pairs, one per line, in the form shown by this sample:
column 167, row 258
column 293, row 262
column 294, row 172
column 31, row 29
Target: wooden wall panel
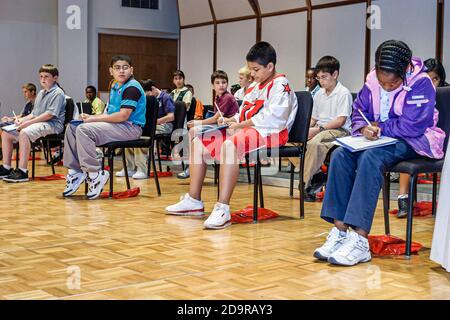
column 153, row 58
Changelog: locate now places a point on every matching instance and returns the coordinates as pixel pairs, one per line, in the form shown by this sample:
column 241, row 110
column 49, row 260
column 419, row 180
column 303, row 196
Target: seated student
column 224, row 100
column 137, row 158
column 312, row 84
column 330, row 118
column 29, row 94
column 98, row 106
column 181, row 92
column 245, row 80
column 390, row 99
column 198, row 115
column 436, row 71
column 46, row 118
column 265, row 118
column 122, row 121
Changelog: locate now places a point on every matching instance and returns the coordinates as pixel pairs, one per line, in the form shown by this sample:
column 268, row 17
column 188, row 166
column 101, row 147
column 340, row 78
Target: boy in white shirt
column 330, row 119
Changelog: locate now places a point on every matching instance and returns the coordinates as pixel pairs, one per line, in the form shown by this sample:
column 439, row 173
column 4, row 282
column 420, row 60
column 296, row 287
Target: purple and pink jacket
column 412, row 116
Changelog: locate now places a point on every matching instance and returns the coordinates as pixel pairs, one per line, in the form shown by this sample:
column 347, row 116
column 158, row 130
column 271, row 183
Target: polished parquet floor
column 55, row 248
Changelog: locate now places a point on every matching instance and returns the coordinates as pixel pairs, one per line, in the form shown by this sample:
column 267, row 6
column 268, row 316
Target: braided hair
column 394, row 56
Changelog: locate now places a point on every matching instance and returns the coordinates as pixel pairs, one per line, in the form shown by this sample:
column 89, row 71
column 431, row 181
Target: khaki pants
column 80, row 142
column 316, row 153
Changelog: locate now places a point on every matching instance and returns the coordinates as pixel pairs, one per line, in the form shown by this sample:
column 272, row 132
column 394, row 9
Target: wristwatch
column 322, row 128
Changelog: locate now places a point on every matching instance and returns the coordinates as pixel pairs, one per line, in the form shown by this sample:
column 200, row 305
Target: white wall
column 196, row 59
column 28, row 37
column 446, row 58
column 234, row 40
column 107, row 16
column 412, row 21
column 291, row 51
column 340, row 32
column 73, row 48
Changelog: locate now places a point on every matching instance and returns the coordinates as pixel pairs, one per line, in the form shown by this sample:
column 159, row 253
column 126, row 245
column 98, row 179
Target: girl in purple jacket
column 398, row 98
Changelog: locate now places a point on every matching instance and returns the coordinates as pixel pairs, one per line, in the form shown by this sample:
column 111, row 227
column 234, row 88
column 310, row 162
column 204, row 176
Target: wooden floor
column 55, row 248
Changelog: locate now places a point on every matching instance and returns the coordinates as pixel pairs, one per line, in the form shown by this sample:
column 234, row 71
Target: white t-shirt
column 337, row 104
column 271, row 107
column 385, row 105
column 239, row 95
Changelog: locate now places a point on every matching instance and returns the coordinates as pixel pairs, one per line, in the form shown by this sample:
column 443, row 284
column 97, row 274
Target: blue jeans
column 355, row 181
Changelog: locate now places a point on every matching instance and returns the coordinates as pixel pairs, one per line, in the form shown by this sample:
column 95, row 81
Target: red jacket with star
column 272, row 107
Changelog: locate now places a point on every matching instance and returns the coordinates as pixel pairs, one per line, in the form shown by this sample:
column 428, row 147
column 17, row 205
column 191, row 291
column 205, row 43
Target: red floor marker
column 246, row 215
column 122, row 194
column 390, row 246
column 162, row 174
column 53, row 177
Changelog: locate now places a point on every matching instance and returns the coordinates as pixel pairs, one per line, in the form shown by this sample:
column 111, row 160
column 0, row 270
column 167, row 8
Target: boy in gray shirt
column 47, row 118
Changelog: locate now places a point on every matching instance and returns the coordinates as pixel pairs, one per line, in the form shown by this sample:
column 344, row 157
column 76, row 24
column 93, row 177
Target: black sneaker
column 5, row 172
column 403, row 208
column 309, row 195
column 17, row 176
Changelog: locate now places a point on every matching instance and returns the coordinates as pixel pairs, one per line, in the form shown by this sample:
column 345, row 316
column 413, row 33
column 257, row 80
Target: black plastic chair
column 56, row 139
column 418, row 166
column 190, row 115
column 180, row 118
column 207, row 108
column 84, row 107
column 298, row 135
column 148, row 141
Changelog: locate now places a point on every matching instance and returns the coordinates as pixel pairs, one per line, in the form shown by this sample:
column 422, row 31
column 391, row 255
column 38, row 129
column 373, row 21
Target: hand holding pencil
column 372, row 131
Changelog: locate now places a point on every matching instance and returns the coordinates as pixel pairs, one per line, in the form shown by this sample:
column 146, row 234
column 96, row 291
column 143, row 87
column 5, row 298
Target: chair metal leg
column 261, row 193
column 33, row 161
column 155, row 172
column 302, row 184
column 291, row 181
column 409, row 223
column 111, row 171
column 124, row 161
column 279, row 164
column 255, row 190
column 386, row 200
column 247, row 163
column 103, row 158
column 159, row 155
column 50, row 156
column 434, row 194
column 216, row 175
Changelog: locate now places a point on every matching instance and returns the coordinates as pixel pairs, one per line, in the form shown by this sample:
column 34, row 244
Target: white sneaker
column 95, row 185
column 354, row 250
column 334, row 241
column 73, row 182
column 139, row 175
column 121, row 173
column 220, row 217
column 188, row 206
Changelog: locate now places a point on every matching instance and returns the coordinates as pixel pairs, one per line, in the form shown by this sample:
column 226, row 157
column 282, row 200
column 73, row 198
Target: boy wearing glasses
column 330, row 119
column 123, row 121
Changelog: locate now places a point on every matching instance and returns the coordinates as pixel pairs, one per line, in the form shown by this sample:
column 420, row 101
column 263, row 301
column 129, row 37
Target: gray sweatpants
column 80, row 142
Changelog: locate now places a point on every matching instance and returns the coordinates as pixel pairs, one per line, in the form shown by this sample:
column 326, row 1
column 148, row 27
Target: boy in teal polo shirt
column 123, row 121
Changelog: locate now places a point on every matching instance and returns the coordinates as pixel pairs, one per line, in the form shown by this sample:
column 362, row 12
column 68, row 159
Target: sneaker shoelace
column 350, row 246
column 334, row 240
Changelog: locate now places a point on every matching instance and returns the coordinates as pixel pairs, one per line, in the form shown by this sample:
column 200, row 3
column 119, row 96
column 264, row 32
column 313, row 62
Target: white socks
column 73, row 171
